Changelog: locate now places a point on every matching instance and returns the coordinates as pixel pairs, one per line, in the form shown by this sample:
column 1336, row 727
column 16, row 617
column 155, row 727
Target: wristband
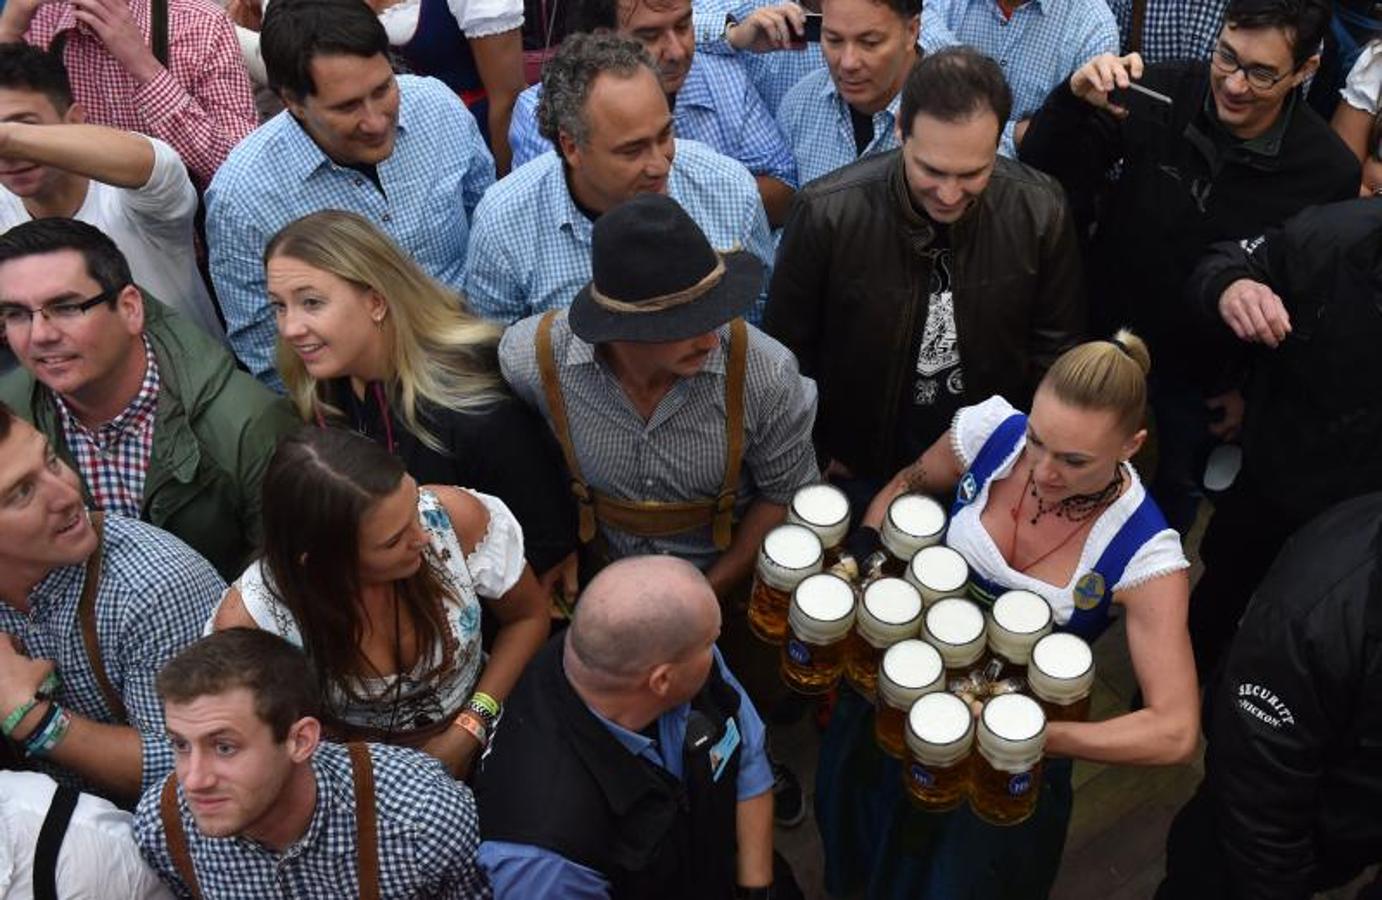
column 485, row 706
column 43, row 741
column 45, row 690
column 468, row 721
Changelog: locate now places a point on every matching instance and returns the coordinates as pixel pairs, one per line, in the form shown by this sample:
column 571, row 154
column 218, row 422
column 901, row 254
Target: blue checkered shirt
column 679, row 453
column 439, row 169
column 530, row 245
column 1042, row 45
column 154, row 595
column 1173, row 29
column 113, row 459
column 772, row 74
column 716, row 106
column 816, row 120
column 427, row 836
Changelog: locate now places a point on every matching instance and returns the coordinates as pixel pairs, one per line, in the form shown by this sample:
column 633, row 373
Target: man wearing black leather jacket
column 1291, row 803
column 913, row 283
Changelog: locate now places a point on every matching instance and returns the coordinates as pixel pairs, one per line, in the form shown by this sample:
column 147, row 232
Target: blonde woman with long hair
column 367, row 340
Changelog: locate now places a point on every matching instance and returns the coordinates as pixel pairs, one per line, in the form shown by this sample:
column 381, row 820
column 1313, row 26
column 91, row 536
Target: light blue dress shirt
column 521, row 871
column 530, row 245
column 716, row 106
column 772, row 74
column 432, row 182
column 1042, row 45
column 816, row 120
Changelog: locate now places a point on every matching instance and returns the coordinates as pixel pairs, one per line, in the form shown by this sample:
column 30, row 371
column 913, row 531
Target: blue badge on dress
column 724, row 748
column 1089, row 591
column 969, row 488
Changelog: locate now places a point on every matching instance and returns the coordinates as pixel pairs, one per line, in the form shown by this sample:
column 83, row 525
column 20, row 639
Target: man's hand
column 1093, row 81
column 562, row 583
column 769, row 28
column 246, row 13
column 1254, row 312
column 1231, row 422
column 15, row 20
column 20, row 676
column 113, row 24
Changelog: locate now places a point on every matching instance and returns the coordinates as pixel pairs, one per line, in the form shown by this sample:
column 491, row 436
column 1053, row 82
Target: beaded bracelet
column 45, row 690
column 42, row 742
column 484, row 706
column 472, row 724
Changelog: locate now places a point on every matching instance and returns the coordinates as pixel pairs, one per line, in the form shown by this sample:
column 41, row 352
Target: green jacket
column 214, row 433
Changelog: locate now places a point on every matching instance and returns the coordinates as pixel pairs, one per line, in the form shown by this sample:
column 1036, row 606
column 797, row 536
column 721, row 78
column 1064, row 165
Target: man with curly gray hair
column 604, row 109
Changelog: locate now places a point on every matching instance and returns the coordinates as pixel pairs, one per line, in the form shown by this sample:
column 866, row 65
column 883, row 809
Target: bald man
column 629, row 761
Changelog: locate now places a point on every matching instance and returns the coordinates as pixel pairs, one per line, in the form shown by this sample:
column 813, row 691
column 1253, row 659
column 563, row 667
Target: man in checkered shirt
column 152, row 596
column 264, row 808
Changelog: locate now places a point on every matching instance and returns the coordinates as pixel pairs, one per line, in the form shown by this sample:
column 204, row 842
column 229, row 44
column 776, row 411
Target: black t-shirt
column 863, row 130
column 934, row 390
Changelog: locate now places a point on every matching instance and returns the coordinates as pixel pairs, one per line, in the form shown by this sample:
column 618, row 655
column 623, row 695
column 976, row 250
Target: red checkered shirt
column 202, row 104
column 114, row 458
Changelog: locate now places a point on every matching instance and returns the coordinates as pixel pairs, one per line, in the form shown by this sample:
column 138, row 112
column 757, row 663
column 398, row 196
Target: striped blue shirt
column 1042, row 45
column 154, row 595
column 772, row 74
column 431, row 184
column 716, row 106
column 816, row 120
column 530, row 245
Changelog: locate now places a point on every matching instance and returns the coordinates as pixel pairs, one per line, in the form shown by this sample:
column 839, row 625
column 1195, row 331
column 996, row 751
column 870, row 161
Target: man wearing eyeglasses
column 1227, row 151
column 147, row 408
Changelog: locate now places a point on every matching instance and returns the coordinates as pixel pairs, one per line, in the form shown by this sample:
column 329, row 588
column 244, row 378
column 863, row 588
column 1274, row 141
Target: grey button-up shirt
column 679, row 453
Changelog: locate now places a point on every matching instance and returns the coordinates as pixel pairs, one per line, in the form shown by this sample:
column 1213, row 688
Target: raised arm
column 109, row 155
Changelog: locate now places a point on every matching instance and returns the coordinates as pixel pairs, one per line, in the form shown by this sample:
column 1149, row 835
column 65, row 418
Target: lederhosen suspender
column 366, row 827
column 86, row 618
column 652, row 518
column 1139, row 22
column 49, row 844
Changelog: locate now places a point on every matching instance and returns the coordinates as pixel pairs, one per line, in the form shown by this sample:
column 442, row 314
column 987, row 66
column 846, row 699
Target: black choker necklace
column 1077, row 507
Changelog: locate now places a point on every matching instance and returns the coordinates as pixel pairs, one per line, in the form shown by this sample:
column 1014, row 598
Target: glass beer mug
column 938, row 572
column 1006, row 777
column 913, row 521
column 789, row 554
column 889, row 611
column 955, row 627
column 910, row 670
column 818, row 623
column 940, row 735
column 1061, row 675
column 1019, row 619
column 824, row 509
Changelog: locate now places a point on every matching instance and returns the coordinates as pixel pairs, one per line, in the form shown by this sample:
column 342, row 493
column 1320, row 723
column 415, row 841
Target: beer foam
column 1021, row 612
column 912, row 664
column 954, row 620
column 892, row 601
column 917, row 514
column 792, row 546
column 940, row 718
column 1062, row 656
column 940, row 568
column 821, row 504
column 824, row 597
column 1014, row 717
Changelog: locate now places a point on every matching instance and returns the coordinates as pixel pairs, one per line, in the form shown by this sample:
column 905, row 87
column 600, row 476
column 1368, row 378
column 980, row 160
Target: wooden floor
column 1115, row 849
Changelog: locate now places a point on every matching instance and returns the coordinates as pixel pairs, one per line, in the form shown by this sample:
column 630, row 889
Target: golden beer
column 1061, row 675
column 818, row 623
column 940, row 734
column 913, row 521
column 1019, row 619
column 938, row 572
column 789, row 554
column 888, row 612
column 910, row 670
column 1006, row 780
column 824, row 509
column 955, row 627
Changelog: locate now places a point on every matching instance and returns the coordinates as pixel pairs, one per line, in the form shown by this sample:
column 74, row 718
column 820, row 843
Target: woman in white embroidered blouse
column 379, row 581
column 1045, row 516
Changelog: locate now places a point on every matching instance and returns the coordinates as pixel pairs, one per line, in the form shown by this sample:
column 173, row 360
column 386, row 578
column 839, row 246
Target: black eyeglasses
column 18, row 316
column 1260, row 78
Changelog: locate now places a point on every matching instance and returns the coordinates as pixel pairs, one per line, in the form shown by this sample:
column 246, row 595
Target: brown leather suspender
column 366, row 827
column 86, row 618
column 1139, row 22
column 652, row 518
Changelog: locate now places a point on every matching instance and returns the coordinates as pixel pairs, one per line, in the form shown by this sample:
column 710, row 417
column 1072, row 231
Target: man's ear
column 75, row 115
column 303, row 737
column 1306, row 71
column 660, row 680
column 568, row 148
column 130, row 305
